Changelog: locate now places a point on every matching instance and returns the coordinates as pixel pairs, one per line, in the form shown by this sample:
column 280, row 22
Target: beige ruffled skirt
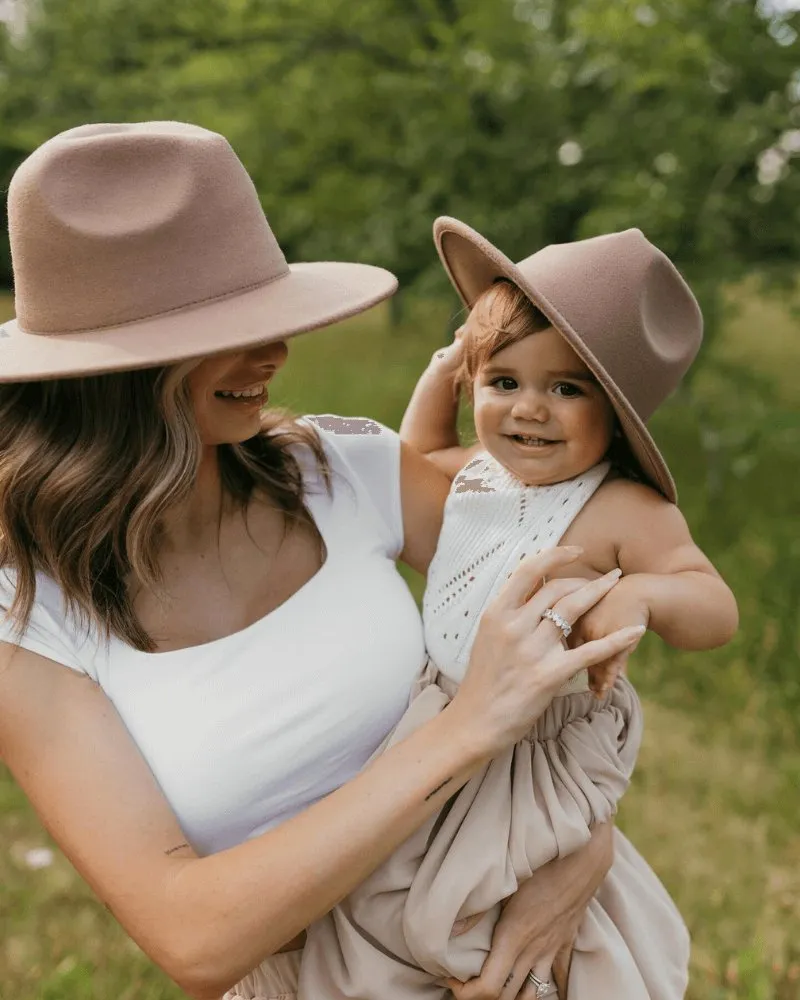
column 274, row 979
column 392, row 936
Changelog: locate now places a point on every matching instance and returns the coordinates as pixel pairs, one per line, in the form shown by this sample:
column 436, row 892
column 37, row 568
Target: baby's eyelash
column 574, row 389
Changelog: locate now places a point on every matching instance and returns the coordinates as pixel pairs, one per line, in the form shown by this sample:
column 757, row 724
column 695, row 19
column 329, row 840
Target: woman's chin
column 232, row 431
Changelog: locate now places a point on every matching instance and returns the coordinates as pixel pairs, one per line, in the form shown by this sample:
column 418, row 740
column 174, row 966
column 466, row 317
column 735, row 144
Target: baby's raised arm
column 430, row 423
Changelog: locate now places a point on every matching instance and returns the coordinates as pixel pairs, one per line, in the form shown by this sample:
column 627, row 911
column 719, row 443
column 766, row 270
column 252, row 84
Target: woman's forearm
column 583, row 872
column 292, row 875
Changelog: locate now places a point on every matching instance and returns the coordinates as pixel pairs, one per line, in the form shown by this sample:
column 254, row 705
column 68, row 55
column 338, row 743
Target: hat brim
column 307, row 297
column 473, row 264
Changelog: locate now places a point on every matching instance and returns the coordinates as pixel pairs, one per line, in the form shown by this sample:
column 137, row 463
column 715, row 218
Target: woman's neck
column 194, row 523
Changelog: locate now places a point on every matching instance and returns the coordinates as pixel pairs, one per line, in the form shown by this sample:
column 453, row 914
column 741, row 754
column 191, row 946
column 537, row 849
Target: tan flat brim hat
column 617, row 300
column 138, row 245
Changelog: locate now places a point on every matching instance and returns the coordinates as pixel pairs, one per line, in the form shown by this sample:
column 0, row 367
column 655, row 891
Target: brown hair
column 504, row 315
column 89, row 466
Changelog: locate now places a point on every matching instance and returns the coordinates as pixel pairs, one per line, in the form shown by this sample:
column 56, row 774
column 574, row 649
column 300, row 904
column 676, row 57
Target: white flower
column 38, row 857
column 789, row 142
column 570, row 153
column 770, row 165
column 480, row 61
column 666, row 163
column 646, row 16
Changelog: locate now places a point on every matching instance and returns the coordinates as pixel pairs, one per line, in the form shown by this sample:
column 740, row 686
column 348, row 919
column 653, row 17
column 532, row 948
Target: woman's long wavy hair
column 90, row 466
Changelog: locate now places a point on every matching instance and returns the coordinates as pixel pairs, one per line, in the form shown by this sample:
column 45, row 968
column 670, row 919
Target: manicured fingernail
column 614, row 574
column 574, row 550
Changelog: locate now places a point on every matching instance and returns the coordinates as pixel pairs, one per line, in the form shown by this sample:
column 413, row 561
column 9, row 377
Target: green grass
column 713, row 805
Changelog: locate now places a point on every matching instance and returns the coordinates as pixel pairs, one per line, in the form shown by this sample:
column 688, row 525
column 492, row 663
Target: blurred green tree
column 534, row 120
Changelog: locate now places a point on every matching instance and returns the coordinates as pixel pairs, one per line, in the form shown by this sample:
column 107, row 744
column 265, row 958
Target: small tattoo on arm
column 509, row 977
column 178, row 847
column 438, row 788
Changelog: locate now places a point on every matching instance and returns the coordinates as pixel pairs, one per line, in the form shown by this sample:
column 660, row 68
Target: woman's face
column 229, row 391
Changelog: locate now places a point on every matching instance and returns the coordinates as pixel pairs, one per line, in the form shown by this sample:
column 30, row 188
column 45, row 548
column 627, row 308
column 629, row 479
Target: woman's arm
column 539, row 922
column 430, row 421
column 208, row 921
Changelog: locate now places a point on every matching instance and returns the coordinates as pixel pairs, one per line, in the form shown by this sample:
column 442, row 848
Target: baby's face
column 540, row 412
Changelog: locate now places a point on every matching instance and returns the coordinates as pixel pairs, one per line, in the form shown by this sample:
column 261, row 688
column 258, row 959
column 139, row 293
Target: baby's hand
column 447, row 360
column 621, row 607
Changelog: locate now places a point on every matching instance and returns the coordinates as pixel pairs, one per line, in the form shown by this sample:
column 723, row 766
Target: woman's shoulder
column 52, row 629
column 350, row 432
column 366, row 455
column 368, row 446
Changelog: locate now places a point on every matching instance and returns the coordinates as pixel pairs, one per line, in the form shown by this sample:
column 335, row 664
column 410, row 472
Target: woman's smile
column 230, row 390
column 252, row 395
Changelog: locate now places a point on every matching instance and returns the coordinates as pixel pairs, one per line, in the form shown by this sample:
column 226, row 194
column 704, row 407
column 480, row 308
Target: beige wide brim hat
column 616, row 299
column 139, row 245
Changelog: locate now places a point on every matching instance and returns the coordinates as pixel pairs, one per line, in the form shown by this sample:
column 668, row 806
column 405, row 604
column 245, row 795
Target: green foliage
column 535, row 120
column 713, row 805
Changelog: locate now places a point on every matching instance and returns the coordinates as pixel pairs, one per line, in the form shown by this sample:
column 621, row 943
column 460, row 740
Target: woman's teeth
column 257, row 390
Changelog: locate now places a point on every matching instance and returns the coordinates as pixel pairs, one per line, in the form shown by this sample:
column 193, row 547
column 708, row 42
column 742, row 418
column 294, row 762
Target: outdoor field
column 714, row 804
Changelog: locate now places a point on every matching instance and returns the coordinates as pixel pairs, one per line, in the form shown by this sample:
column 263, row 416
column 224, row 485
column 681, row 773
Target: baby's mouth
column 532, row 442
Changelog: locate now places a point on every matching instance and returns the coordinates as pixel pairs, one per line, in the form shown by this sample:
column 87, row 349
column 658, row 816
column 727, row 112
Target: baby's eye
column 504, row 383
column 567, row 389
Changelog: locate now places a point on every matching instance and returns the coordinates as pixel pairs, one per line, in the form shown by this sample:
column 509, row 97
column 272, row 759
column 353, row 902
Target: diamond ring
column 543, row 986
column 556, row 619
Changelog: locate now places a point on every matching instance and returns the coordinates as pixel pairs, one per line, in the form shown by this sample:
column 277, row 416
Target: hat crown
column 630, row 307
column 616, row 299
column 114, row 223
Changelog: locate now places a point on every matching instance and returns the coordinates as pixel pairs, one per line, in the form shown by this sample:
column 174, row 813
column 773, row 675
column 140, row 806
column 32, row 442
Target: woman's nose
column 269, row 355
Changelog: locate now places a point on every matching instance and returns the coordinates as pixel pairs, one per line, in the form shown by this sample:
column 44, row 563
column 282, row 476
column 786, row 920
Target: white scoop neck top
column 246, row 731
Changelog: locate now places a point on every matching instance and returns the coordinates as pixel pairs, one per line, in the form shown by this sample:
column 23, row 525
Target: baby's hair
column 503, row 315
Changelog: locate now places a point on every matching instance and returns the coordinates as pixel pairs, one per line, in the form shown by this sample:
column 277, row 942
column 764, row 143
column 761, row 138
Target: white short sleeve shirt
column 245, row 731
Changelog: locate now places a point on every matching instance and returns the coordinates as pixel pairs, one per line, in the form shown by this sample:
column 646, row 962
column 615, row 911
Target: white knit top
column 491, row 522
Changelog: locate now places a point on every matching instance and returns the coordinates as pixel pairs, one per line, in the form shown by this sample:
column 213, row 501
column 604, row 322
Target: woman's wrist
column 468, row 737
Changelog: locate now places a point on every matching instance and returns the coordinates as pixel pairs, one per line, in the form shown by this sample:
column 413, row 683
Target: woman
column 220, row 583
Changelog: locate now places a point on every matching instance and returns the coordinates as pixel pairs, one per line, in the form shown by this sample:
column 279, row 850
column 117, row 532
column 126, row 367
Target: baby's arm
column 430, row 421
column 668, row 583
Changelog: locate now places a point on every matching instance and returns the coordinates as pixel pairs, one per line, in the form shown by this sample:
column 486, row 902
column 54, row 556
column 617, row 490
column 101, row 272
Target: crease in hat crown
column 145, row 244
column 111, row 224
column 620, row 303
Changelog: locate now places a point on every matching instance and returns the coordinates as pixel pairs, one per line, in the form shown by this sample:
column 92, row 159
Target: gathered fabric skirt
column 392, row 936
column 537, row 801
column 275, row 979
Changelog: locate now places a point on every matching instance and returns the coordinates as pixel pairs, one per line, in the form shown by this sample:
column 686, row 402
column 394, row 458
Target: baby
column 564, row 357
column 560, row 399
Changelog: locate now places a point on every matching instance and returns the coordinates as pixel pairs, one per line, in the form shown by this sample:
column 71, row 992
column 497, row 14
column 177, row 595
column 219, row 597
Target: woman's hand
column 519, row 660
column 538, row 925
column 623, row 606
